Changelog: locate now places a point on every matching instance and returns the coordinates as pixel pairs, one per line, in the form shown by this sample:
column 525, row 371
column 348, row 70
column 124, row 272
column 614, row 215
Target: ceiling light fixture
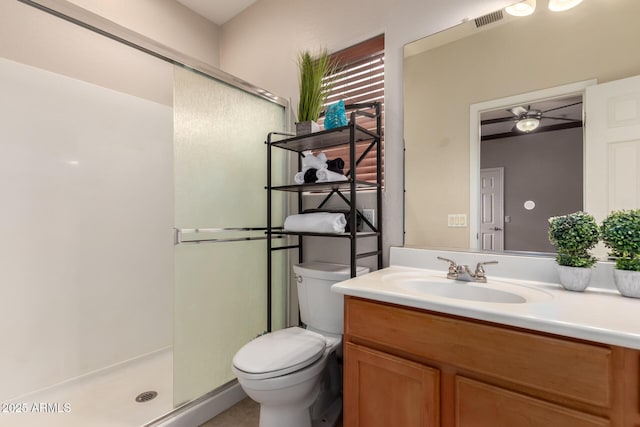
column 562, row 5
column 524, row 8
column 528, row 124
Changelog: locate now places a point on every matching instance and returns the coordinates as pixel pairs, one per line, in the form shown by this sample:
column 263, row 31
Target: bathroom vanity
column 415, row 357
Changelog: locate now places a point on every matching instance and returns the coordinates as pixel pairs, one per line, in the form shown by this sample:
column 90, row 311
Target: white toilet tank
column 320, row 308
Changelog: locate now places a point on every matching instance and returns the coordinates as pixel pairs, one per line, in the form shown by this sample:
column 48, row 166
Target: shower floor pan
column 102, row 399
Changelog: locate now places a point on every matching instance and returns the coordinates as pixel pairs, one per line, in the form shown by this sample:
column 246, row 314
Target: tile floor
column 244, row 414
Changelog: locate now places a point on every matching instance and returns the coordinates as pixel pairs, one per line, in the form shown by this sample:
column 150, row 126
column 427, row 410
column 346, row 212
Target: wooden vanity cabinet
column 410, row 367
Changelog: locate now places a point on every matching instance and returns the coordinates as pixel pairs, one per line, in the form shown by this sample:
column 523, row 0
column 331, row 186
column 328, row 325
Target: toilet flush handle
column 298, row 278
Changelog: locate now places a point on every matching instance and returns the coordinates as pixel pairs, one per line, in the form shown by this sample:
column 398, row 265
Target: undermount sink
column 491, row 292
column 462, row 290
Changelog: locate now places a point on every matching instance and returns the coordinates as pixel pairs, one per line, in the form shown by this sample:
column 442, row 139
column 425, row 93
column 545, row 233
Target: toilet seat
column 279, row 353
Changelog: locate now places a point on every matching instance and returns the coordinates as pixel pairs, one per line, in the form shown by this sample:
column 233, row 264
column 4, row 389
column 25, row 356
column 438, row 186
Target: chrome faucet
column 462, row 272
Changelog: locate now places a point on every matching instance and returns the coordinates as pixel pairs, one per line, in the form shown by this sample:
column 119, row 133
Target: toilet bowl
column 286, row 393
column 294, row 373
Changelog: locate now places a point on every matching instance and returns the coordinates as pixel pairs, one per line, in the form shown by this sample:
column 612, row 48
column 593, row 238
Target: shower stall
column 133, row 252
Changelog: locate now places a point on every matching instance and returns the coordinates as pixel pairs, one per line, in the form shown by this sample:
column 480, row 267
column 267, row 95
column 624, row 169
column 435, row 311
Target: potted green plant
column 574, row 235
column 315, row 84
column 621, row 233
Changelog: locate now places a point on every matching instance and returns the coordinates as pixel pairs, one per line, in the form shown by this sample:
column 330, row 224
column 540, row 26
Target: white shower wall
column 86, row 255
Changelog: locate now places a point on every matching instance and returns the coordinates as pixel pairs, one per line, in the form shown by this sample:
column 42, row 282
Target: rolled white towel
column 325, row 175
column 309, row 161
column 316, row 162
column 316, row 222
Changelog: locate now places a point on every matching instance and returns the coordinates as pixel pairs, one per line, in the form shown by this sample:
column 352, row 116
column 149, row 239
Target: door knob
column 497, row 229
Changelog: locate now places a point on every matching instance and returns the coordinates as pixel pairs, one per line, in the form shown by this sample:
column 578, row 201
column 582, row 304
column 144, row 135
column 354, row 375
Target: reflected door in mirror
column 492, row 209
column 612, row 149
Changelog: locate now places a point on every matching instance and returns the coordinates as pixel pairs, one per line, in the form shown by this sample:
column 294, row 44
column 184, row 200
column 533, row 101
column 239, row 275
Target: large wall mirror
column 465, row 87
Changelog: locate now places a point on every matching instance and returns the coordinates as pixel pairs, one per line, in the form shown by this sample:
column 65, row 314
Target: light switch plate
column 457, row 220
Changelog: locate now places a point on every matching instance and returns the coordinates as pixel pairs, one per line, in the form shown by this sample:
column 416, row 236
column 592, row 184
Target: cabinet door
column 482, row 405
column 384, row 390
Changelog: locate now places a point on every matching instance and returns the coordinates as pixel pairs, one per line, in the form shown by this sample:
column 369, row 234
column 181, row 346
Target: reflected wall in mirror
column 446, row 73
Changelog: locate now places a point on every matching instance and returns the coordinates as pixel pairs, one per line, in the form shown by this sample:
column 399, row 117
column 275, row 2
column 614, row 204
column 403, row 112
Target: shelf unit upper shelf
column 326, row 139
column 325, row 186
column 346, row 235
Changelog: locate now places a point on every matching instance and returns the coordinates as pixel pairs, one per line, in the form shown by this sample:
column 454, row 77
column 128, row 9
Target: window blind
column 360, row 78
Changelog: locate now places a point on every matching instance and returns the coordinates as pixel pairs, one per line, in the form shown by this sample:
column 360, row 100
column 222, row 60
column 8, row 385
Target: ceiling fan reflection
column 529, row 119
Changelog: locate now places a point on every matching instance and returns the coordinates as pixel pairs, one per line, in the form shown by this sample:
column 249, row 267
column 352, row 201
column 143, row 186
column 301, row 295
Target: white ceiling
column 217, row 11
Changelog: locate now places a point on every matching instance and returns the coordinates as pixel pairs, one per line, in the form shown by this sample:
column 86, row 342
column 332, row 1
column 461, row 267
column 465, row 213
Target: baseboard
column 201, row 410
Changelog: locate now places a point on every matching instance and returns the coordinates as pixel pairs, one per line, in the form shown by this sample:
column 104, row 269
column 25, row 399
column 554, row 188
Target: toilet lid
column 281, row 352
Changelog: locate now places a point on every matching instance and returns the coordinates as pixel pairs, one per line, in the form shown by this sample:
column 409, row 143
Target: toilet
column 294, row 373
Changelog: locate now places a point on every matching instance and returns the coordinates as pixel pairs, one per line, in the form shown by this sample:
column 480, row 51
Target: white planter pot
column 574, row 278
column 627, row 282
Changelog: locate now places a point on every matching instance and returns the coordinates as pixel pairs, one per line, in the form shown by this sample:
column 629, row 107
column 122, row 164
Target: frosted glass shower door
column 220, row 176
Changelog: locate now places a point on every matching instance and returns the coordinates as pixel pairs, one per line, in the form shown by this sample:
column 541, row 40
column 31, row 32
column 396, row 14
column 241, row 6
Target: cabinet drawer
column 482, row 405
column 565, row 368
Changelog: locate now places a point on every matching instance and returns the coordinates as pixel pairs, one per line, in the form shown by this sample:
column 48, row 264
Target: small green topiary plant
column 621, row 233
column 573, row 235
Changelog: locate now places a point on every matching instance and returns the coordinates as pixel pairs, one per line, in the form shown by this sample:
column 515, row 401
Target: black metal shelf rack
column 351, row 135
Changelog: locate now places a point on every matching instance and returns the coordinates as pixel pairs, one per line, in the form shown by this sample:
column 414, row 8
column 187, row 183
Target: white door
column 612, row 147
column 491, row 209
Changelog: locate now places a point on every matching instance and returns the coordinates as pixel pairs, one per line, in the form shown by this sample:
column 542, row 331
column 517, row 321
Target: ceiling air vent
column 489, row 18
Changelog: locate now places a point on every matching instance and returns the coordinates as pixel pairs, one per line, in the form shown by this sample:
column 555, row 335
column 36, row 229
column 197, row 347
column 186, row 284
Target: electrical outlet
column 370, row 215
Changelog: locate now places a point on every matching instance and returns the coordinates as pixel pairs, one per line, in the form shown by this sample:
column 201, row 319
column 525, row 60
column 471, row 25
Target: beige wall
column 598, row 40
column 166, row 21
column 262, row 43
column 35, row 38
column 32, row 37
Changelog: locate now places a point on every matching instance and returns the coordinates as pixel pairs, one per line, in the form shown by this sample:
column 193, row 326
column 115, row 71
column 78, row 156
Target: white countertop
column 599, row 315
